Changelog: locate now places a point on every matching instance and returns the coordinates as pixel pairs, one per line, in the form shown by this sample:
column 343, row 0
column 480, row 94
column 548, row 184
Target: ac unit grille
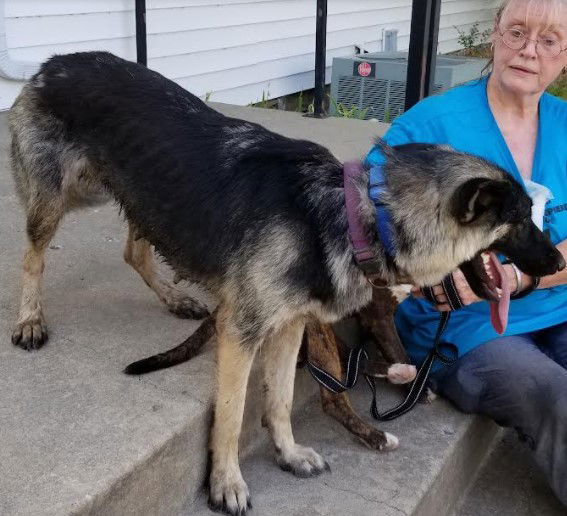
column 384, row 99
column 397, row 100
column 375, row 94
column 349, row 90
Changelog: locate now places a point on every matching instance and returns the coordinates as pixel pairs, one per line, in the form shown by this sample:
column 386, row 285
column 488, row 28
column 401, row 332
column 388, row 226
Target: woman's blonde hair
column 549, row 10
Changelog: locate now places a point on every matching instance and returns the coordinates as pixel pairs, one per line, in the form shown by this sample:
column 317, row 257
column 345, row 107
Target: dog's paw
column 186, row 307
column 229, row 493
column 392, row 442
column 30, row 334
column 377, row 439
column 302, row 461
column 401, row 373
column 430, row 396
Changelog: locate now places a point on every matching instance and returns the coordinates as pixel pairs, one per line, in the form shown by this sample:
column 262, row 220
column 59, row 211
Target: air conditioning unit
column 377, row 82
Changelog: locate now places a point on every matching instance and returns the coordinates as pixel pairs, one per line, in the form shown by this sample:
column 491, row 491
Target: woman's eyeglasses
column 546, row 46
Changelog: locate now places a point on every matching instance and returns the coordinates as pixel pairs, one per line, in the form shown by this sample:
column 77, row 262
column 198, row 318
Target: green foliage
column 311, row 108
column 348, row 112
column 299, row 107
column 264, row 102
column 559, row 87
column 472, row 38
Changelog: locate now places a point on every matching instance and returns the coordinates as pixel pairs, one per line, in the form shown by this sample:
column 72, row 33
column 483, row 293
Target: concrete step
column 440, row 451
column 510, row 484
column 79, row 437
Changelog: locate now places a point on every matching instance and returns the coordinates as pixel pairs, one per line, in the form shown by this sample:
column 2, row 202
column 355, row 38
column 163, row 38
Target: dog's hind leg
column 138, row 253
column 227, row 490
column 43, row 217
column 279, row 354
column 323, row 351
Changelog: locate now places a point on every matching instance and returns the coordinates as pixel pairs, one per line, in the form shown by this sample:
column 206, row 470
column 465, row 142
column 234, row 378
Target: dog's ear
column 477, row 196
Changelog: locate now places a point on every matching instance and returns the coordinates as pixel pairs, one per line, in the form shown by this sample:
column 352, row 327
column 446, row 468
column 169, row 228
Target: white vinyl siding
column 235, row 50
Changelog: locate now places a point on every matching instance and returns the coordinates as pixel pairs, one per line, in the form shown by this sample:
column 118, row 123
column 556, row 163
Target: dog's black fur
column 180, row 176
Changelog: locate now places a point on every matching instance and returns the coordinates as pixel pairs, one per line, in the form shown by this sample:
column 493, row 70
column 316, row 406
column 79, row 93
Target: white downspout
column 10, row 69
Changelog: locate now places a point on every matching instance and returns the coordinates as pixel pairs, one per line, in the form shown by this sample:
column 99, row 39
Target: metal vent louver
column 374, row 97
column 349, row 90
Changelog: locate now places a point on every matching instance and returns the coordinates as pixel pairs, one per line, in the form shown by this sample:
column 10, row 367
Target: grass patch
column 559, row 87
column 343, row 111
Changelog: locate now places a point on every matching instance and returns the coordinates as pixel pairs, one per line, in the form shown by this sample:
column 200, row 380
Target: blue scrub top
column 461, row 118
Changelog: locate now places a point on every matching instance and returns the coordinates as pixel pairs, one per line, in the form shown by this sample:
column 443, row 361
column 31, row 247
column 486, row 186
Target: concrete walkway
column 510, row 484
column 79, row 437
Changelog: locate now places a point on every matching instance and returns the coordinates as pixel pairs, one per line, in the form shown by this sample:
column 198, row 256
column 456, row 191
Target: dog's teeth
column 485, row 258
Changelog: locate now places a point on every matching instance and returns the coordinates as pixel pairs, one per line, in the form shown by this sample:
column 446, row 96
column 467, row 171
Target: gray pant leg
column 553, row 342
column 513, row 382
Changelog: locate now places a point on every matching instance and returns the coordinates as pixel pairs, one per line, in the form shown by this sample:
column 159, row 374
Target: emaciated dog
column 256, row 217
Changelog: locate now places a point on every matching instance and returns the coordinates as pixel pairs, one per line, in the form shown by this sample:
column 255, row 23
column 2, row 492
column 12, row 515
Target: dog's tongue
column 499, row 309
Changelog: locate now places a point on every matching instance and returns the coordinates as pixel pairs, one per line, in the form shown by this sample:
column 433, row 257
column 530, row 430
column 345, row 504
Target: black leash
column 420, row 381
column 416, row 389
column 366, row 259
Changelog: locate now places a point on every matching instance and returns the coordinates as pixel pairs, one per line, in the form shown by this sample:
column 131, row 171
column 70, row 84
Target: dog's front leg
column 279, row 355
column 322, row 348
column 227, row 490
column 377, row 321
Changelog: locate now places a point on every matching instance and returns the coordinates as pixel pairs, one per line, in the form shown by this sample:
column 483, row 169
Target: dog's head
column 493, row 203
column 452, row 209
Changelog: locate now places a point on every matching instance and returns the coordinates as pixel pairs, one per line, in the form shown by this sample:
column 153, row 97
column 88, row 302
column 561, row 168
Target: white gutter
column 10, row 69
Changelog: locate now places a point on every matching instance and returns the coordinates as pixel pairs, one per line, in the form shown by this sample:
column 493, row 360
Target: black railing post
column 320, row 59
column 433, row 38
column 141, row 43
column 422, row 50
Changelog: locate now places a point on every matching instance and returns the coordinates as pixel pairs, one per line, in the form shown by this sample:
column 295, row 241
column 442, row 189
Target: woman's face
column 525, row 71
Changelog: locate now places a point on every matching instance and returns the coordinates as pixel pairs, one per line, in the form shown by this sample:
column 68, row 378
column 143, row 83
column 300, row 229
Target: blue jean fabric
column 520, row 382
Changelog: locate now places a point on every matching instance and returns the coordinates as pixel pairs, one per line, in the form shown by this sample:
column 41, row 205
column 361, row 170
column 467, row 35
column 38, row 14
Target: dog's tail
column 185, row 351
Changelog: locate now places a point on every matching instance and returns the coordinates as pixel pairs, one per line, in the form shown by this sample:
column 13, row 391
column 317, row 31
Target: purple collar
column 364, row 255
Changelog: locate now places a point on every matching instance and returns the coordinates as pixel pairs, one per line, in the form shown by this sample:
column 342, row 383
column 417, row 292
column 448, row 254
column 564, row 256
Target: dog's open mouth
column 487, row 278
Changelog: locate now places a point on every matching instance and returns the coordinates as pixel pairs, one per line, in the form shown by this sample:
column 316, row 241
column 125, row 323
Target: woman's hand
column 464, row 290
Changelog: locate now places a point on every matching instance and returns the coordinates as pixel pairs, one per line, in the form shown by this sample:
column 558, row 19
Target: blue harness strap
column 383, row 219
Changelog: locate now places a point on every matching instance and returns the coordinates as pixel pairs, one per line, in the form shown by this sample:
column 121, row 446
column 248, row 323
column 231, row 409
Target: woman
column 518, row 379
